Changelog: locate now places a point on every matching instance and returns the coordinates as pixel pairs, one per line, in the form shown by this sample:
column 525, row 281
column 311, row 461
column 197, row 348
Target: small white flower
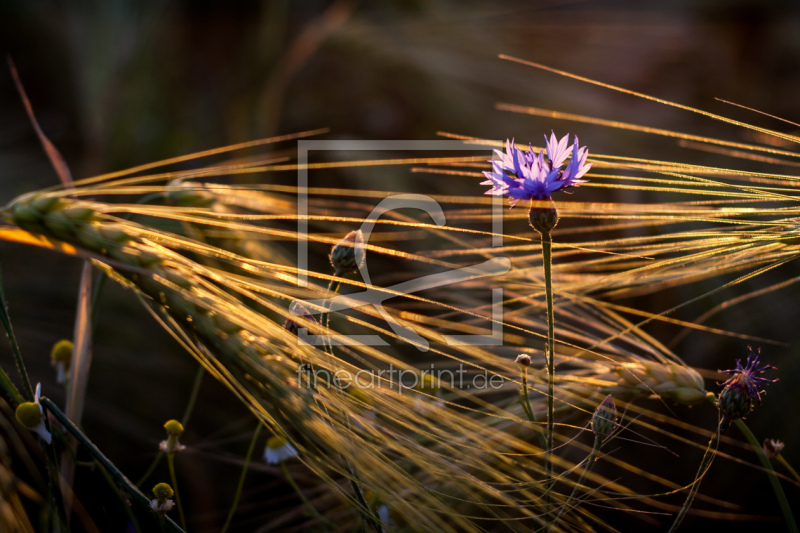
column 161, row 507
column 31, row 415
column 278, row 449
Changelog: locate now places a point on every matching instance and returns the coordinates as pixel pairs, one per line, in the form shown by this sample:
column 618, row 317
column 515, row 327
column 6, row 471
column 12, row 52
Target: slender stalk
column 239, row 487
column 55, row 482
column 325, row 318
column 198, row 380
column 306, row 501
column 150, row 469
column 526, row 405
column 705, row 464
column 122, row 499
column 6, row 382
column 786, row 508
column 787, row 466
column 174, row 478
column 135, row 493
column 366, row 512
column 547, row 248
column 598, row 441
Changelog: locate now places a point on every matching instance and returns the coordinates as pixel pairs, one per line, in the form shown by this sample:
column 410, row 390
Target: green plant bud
column 543, row 218
column 604, row 419
column 523, row 361
column 348, row 254
column 734, row 403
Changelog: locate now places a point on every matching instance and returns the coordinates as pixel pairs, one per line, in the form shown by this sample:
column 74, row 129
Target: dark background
column 115, row 84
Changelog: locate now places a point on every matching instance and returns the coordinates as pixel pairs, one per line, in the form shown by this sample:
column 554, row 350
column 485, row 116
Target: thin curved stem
column 786, row 508
column 705, row 464
column 174, row 478
column 239, row 487
column 526, row 405
column 598, row 441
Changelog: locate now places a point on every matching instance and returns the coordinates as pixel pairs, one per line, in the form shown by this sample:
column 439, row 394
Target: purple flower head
column 528, row 176
column 736, row 399
column 746, row 379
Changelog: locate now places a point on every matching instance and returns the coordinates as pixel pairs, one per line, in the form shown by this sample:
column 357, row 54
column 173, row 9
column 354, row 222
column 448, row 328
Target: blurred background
column 117, row 83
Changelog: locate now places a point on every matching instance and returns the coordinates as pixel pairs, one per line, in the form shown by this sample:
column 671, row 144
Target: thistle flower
column 604, row 419
column 531, row 176
column 31, row 415
column 61, row 357
column 736, row 399
column 171, row 445
column 348, row 254
column 278, row 449
column 162, row 503
column 772, row 448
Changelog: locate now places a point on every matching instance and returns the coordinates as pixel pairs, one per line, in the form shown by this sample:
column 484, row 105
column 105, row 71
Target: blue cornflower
column 528, row 176
column 736, row 399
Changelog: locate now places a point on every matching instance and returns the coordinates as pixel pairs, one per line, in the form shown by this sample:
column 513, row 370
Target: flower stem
column 239, row 487
column 7, row 384
column 302, row 496
column 787, row 466
column 526, row 405
column 325, row 319
column 705, row 464
column 198, row 380
column 174, row 478
column 136, row 494
column 598, row 441
column 547, row 248
column 786, row 509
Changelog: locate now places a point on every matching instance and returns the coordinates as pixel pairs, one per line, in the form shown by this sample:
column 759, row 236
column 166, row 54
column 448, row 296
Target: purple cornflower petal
column 529, row 176
column 745, row 380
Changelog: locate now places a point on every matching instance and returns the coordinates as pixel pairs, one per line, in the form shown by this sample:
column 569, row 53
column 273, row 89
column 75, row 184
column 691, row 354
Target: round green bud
column 348, row 254
column 62, row 352
column 29, row 415
column 428, row 384
column 163, row 491
column 174, row 427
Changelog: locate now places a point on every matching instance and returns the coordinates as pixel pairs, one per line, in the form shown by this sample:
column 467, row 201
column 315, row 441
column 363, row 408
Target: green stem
column 198, row 380
column 302, row 496
column 547, row 256
column 705, row 464
column 787, row 466
column 598, row 441
column 240, row 486
column 174, row 478
column 135, row 493
column 325, row 318
column 786, row 509
column 526, row 405
column 122, row 499
column 7, row 384
column 55, row 480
